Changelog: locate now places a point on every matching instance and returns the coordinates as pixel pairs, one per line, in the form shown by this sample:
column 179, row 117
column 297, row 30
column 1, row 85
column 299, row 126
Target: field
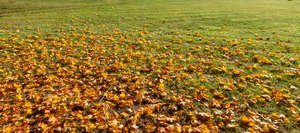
column 149, row 66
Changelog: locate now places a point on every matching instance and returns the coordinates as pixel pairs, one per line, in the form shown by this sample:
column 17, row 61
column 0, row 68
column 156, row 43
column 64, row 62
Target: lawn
column 150, row 65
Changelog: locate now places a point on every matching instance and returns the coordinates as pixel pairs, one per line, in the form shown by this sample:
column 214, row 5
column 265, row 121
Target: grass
column 233, row 19
column 171, row 62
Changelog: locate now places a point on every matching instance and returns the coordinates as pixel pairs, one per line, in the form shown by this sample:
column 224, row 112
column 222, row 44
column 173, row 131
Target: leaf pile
column 150, row 81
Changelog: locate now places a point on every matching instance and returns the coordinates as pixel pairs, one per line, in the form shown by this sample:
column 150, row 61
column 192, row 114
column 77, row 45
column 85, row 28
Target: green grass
column 215, row 18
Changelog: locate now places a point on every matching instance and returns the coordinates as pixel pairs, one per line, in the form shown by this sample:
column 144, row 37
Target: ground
column 150, row 65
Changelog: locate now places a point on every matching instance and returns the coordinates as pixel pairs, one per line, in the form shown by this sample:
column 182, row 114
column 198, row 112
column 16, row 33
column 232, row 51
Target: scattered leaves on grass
column 121, row 81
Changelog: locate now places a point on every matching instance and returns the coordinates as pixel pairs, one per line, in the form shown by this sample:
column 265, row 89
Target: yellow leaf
column 29, row 111
column 275, row 116
column 122, row 95
column 266, row 90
